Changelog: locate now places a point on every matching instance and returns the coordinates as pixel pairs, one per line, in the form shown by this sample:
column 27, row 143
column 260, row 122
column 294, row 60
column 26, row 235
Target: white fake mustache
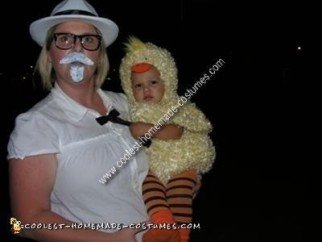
column 76, row 57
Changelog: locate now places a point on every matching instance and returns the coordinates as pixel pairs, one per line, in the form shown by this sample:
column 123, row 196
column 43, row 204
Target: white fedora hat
column 69, row 10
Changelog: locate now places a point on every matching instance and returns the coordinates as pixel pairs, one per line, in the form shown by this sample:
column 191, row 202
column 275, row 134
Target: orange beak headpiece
column 141, row 67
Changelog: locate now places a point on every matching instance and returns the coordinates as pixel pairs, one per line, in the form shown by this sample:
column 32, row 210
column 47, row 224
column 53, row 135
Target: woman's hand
column 126, row 234
column 139, row 129
column 165, row 132
column 123, row 235
column 198, row 185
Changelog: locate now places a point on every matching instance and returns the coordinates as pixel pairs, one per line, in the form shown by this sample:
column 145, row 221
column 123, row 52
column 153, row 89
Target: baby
column 181, row 148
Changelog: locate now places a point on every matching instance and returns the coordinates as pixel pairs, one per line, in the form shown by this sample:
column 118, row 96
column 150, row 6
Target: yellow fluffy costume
column 167, row 158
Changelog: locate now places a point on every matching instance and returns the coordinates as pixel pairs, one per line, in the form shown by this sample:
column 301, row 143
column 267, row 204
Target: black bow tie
column 112, row 117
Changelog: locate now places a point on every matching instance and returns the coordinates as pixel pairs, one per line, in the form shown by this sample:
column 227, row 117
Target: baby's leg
column 180, row 191
column 154, row 195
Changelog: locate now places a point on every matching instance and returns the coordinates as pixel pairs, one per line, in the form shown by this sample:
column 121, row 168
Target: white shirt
column 85, row 151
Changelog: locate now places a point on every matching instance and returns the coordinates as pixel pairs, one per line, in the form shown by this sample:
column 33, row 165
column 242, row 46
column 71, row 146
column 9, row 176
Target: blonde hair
column 47, row 73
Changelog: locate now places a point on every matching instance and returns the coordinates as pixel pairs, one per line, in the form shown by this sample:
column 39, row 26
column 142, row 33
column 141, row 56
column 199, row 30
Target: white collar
column 73, row 109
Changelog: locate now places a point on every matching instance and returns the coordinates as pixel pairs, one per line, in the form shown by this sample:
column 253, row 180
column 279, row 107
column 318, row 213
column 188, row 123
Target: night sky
column 256, row 102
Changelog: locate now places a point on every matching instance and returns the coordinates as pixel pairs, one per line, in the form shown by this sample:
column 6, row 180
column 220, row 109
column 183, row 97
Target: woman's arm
column 166, row 132
column 31, row 182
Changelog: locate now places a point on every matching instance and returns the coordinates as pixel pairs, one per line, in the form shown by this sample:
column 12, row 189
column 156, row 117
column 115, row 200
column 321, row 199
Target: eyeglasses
column 65, row 41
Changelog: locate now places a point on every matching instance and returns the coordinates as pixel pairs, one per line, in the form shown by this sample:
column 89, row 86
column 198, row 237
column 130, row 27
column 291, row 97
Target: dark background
column 258, row 103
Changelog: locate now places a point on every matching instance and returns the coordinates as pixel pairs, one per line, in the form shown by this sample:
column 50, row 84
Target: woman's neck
column 85, row 94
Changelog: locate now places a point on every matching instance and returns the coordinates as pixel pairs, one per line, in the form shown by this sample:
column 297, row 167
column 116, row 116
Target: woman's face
column 147, row 86
column 56, row 54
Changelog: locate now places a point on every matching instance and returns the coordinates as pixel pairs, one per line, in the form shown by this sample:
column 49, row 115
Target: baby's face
column 147, row 86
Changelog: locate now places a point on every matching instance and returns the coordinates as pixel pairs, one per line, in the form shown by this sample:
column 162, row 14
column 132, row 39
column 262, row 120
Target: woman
column 58, row 152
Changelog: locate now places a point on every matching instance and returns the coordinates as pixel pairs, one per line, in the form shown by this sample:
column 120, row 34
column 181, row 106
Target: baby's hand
column 139, row 129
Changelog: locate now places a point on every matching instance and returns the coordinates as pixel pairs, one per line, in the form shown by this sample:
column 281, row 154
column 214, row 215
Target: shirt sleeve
column 33, row 134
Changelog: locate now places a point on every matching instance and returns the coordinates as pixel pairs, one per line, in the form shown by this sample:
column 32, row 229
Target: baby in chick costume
column 181, row 148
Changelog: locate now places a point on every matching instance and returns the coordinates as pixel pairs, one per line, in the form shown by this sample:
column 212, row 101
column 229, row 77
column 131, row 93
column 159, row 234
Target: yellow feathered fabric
column 194, row 149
